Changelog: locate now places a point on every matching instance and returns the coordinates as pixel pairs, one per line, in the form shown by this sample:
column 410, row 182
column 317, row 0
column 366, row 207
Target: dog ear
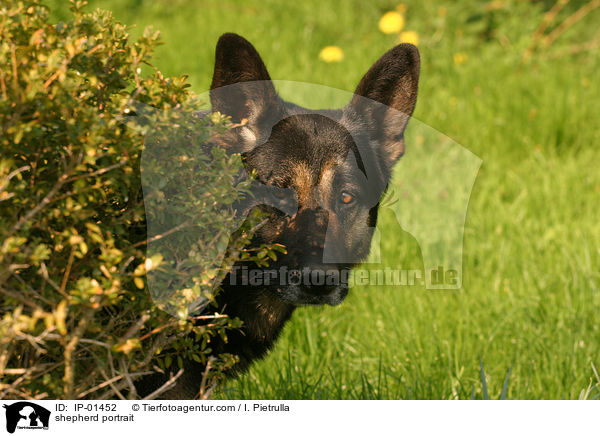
column 385, row 98
column 242, row 88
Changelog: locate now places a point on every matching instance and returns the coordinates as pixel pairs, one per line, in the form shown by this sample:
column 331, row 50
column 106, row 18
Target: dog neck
column 263, row 313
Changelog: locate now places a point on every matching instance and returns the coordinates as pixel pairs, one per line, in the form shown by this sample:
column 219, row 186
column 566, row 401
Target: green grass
column 530, row 300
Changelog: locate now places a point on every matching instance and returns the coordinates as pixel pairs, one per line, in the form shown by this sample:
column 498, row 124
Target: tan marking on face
column 326, row 181
column 304, row 184
column 248, row 136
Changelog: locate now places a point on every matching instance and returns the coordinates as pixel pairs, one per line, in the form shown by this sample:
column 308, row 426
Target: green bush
column 76, row 320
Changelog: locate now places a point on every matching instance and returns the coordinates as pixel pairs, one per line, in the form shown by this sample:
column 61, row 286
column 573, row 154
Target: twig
column 126, row 264
column 69, row 376
column 13, row 371
column 13, row 56
column 63, row 284
column 108, row 382
column 18, row 371
column 17, row 392
column 20, row 298
column 110, row 363
column 24, row 376
column 42, row 368
column 165, row 387
column 120, row 385
column 28, row 286
column 570, row 21
column 54, row 336
column 158, row 329
column 137, row 326
column 203, row 394
column 132, row 390
column 12, row 174
column 215, row 316
column 99, row 172
column 548, row 18
column 33, row 340
column 44, row 272
column 158, row 343
column 162, row 235
column 45, row 201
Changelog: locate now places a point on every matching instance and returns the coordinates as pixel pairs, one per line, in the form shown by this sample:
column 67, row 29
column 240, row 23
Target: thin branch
column 28, row 286
column 99, row 172
column 132, row 390
column 63, row 284
column 44, row 369
column 162, row 235
column 13, row 371
column 26, row 371
column 159, row 342
column 570, row 21
column 203, row 393
column 13, row 56
column 19, row 297
column 137, row 326
column 215, row 316
column 20, row 394
column 54, row 336
column 44, row 272
column 12, row 174
column 546, row 21
column 33, row 340
column 69, row 376
column 112, row 387
column 158, row 329
column 23, row 377
column 45, row 201
column 108, row 382
column 165, row 387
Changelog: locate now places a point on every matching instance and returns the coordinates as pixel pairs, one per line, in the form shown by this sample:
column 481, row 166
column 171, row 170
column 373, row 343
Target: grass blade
column 483, row 382
column 505, row 386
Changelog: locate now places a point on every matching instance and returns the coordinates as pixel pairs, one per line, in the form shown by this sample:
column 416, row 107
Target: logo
column 26, row 415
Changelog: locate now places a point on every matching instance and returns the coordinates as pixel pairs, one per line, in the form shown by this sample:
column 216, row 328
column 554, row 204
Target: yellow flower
column 391, row 22
column 409, row 36
column 460, row 58
column 401, row 8
column 331, row 53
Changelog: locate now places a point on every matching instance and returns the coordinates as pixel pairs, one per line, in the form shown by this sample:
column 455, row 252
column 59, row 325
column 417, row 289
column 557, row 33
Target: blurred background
column 516, row 82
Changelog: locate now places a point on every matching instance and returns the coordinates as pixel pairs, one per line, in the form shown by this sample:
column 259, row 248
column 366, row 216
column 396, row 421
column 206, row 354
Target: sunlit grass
column 530, row 300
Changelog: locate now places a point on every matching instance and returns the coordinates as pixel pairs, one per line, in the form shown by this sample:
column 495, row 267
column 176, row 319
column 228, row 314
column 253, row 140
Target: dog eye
column 347, row 198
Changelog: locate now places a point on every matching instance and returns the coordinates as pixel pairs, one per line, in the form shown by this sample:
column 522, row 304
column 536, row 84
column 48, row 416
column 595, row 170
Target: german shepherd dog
column 329, row 169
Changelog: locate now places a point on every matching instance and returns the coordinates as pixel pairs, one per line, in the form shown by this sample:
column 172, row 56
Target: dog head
column 321, row 173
